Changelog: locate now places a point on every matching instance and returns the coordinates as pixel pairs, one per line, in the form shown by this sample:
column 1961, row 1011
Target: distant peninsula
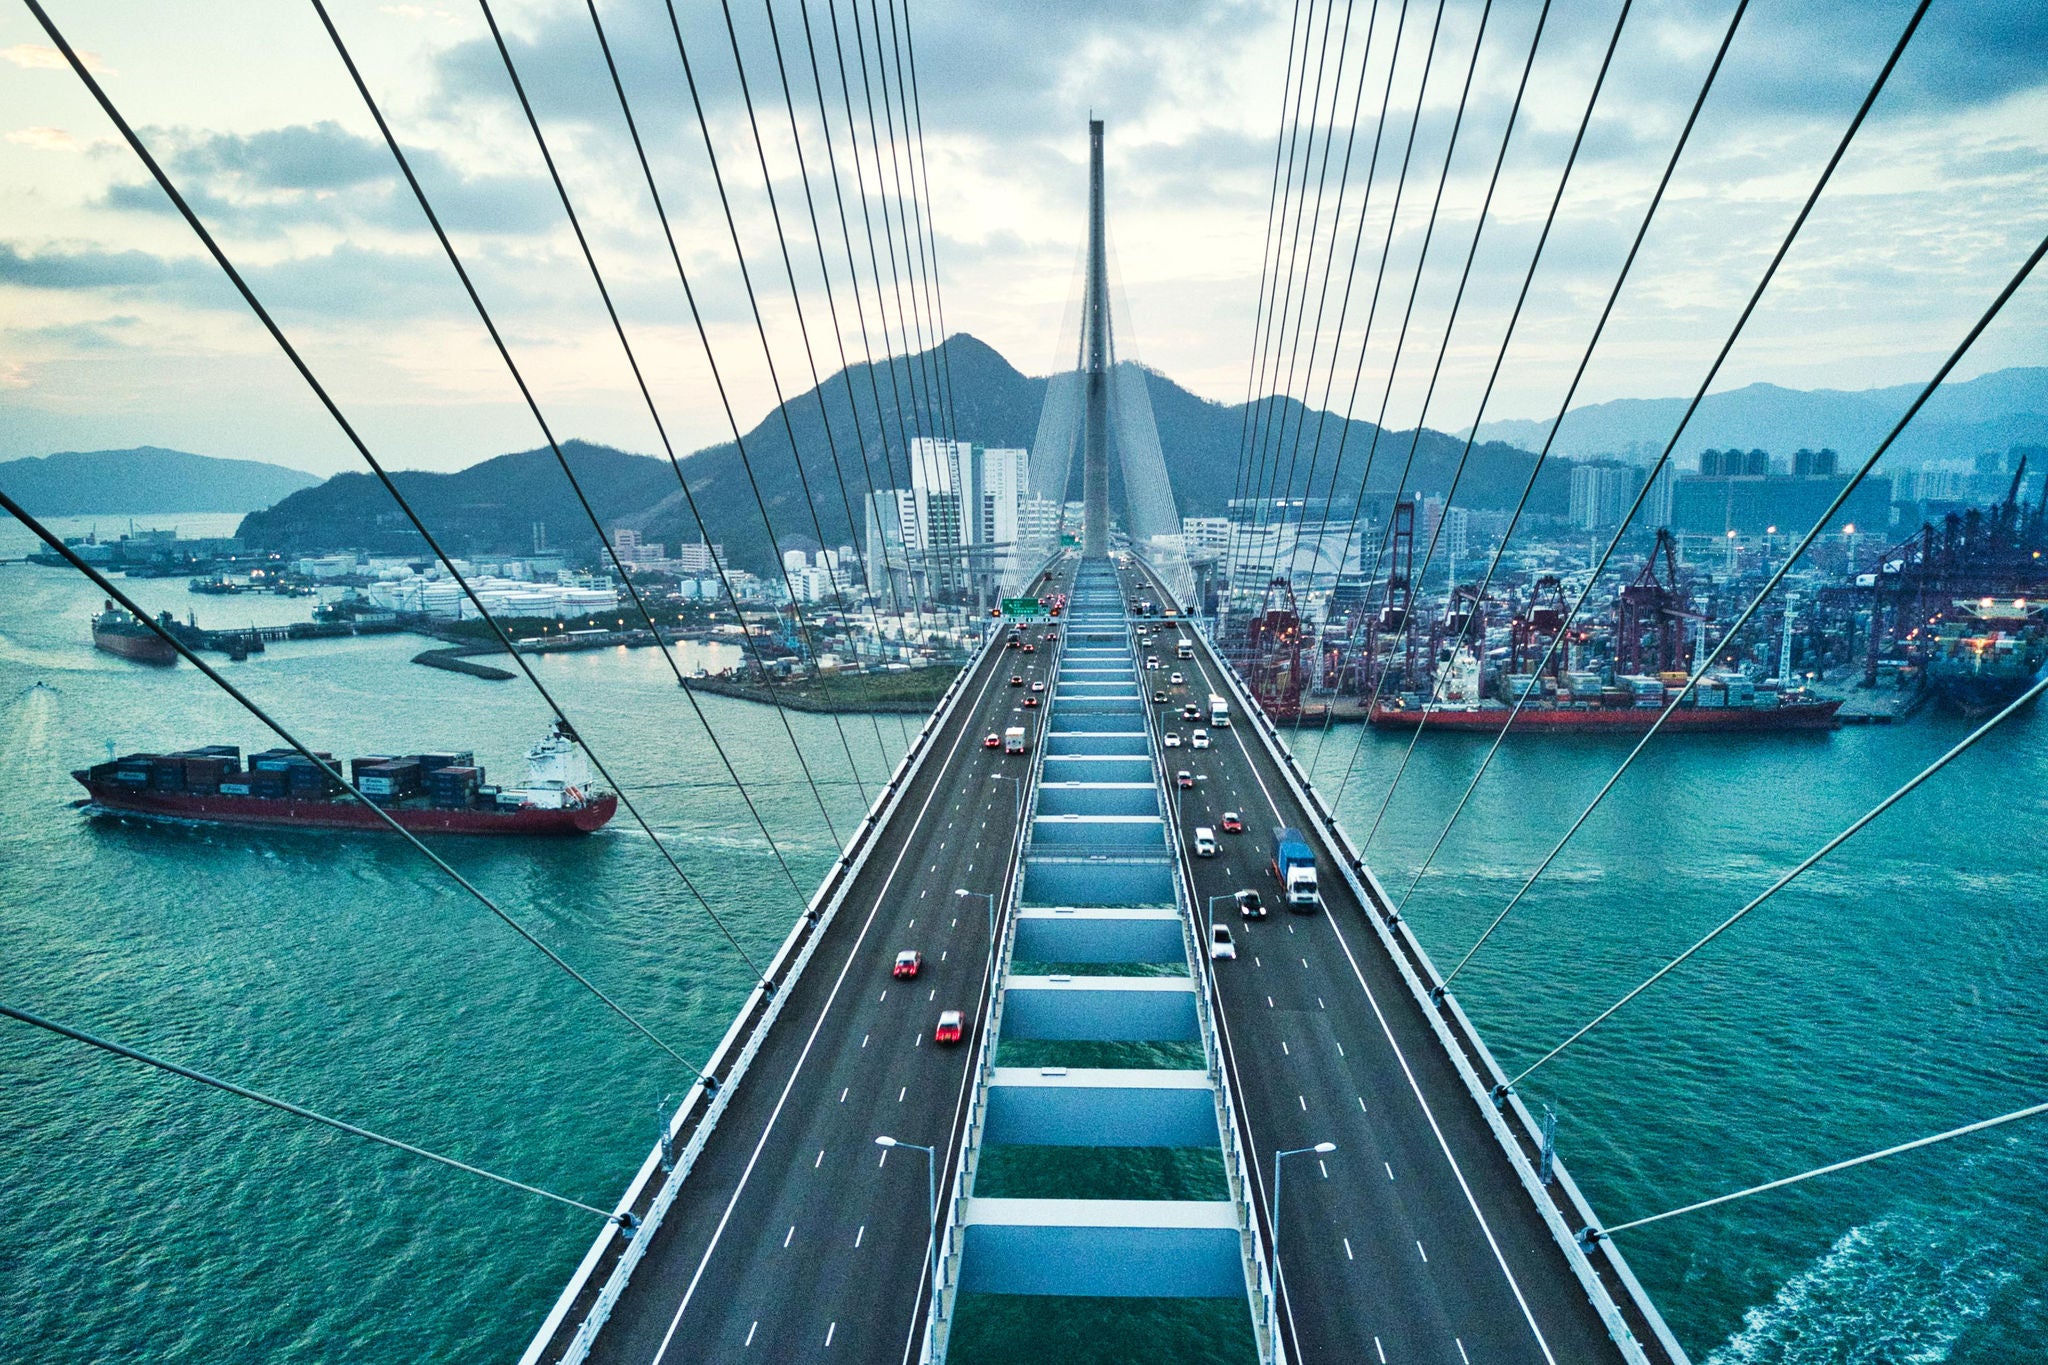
column 145, row 479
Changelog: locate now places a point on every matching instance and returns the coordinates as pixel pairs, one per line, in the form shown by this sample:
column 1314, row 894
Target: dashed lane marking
column 901, row 1093
column 1284, row 1049
column 753, row 1329
column 1303, row 1101
column 820, row 1161
column 885, row 996
column 864, row 1039
column 788, row 1235
column 1347, row 1250
column 835, row 1327
column 1390, row 1169
column 1381, row 1349
column 1425, row 1255
column 860, row 1234
column 844, row 1093
column 1340, row 1047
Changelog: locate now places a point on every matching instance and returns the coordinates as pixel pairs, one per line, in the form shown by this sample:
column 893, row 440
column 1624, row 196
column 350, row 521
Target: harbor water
column 1896, row 990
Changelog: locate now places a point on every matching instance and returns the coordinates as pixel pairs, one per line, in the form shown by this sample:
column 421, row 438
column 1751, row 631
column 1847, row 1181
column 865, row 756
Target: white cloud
column 43, row 57
column 44, row 139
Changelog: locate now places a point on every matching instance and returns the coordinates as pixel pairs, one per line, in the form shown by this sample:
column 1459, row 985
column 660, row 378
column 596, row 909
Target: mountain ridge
column 145, row 479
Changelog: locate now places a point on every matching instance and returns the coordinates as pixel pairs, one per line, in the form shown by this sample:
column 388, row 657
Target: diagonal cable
column 298, row 1110
column 106, row 585
column 1735, row 332
column 547, row 433
column 348, row 430
column 1571, row 390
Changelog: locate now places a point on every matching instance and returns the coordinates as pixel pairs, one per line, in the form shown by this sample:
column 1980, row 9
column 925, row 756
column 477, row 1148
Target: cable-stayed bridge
column 824, row 1190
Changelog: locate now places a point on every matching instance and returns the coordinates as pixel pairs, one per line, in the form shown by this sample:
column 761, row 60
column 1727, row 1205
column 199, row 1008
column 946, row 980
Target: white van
column 1200, row 739
column 1205, row 842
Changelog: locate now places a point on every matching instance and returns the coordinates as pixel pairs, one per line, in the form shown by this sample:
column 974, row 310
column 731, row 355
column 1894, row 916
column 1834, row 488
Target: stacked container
column 455, row 786
column 390, row 782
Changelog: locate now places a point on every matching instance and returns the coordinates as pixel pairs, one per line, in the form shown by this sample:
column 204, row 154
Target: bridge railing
column 1616, row 1295
column 602, row 1275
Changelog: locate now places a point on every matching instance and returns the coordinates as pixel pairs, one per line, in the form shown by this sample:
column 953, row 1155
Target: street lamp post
column 1211, row 913
column 988, row 896
column 1013, row 777
column 931, row 1172
column 1273, row 1298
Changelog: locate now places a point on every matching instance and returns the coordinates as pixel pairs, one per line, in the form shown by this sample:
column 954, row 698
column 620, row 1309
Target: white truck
column 1014, row 741
column 1219, row 711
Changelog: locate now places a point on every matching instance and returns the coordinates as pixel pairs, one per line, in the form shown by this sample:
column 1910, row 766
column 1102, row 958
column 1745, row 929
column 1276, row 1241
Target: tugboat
column 118, row 632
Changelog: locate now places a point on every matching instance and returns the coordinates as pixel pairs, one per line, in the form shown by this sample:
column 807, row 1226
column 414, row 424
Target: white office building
column 966, row 523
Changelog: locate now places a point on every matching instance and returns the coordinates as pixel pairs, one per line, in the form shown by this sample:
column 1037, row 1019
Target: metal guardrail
column 1522, row 1142
column 617, row 1253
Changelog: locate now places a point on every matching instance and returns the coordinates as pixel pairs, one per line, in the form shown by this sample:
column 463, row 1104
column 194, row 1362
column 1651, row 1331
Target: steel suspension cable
column 1285, row 485
column 1856, row 826
column 934, row 402
column 299, row 1111
column 1386, row 248
column 348, row 430
column 1571, row 391
column 768, row 357
column 1486, row 394
column 796, row 302
column 1749, row 308
column 907, row 60
column 1589, row 1236
column 533, row 406
column 276, row 727
column 1286, row 135
column 859, row 308
column 904, row 416
column 1323, row 291
column 1276, row 323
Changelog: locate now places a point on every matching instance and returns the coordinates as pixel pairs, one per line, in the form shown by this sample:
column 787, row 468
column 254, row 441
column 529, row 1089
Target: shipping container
column 234, row 789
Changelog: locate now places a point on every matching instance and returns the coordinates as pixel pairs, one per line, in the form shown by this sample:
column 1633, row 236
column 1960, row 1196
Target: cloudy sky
column 116, row 330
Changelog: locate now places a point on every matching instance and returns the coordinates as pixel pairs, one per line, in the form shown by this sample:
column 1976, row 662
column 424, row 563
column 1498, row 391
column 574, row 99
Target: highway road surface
column 796, row 1238
column 1413, row 1241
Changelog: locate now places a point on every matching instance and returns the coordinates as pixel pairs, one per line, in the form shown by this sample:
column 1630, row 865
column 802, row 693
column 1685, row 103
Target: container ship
column 1589, row 703
column 1986, row 653
column 118, row 632
column 438, row 793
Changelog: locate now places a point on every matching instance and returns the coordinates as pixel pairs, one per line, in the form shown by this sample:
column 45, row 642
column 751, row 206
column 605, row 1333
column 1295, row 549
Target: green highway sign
column 1023, row 606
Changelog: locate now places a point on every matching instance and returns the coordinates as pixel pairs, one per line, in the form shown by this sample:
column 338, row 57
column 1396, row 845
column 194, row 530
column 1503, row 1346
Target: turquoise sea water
column 1897, row 990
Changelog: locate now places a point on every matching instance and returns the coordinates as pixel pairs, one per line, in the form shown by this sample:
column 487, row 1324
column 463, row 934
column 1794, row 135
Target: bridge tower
column 1095, row 365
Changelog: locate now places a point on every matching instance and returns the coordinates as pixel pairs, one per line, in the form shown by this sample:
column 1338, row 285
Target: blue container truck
column 1294, row 867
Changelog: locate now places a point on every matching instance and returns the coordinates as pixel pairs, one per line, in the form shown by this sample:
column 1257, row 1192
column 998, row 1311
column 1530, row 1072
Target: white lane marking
column 1303, row 1101
column 753, row 1329
column 1381, row 1349
column 1283, row 1048
column 911, row 925
column 835, row 1327
column 885, row 996
column 922, row 894
column 788, row 1086
column 1347, row 1250
column 844, row 1093
column 860, row 1234
column 788, row 1235
column 1443, row 1143
column 1290, row 928
column 1461, row 1350
column 935, row 993
column 942, row 957
column 864, row 1039
column 1340, row 1047
column 884, row 1158
column 917, row 1040
column 1319, row 1161
column 1425, row 1255
column 1319, row 1003
column 1256, row 962
column 1269, row 1002
column 1304, row 964
column 1390, row 1169
column 820, row 1161
column 1361, row 1104
column 901, row 1093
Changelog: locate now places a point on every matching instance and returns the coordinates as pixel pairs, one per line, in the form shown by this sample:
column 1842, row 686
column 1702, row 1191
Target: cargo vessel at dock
column 435, row 793
column 1590, row 703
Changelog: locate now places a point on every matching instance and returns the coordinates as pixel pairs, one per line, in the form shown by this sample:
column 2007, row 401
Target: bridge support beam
column 1090, row 1107
column 1074, row 934
column 1104, row 1248
column 1101, row 1009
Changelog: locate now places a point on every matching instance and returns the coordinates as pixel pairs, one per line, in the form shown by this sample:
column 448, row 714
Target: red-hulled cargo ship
column 441, row 793
column 1816, row 714
column 119, row 632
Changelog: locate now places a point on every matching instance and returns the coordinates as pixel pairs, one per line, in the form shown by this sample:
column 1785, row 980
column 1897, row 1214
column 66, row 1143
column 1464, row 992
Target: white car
column 1221, row 945
column 1200, row 739
column 1172, row 739
column 1175, row 679
column 1205, row 842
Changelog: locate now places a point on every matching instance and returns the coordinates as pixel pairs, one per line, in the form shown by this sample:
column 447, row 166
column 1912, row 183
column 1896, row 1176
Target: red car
column 1030, row 702
column 1184, row 779
column 994, row 741
column 1016, row 680
column 948, row 1031
column 1030, row 648
column 908, row 963
column 1232, row 823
